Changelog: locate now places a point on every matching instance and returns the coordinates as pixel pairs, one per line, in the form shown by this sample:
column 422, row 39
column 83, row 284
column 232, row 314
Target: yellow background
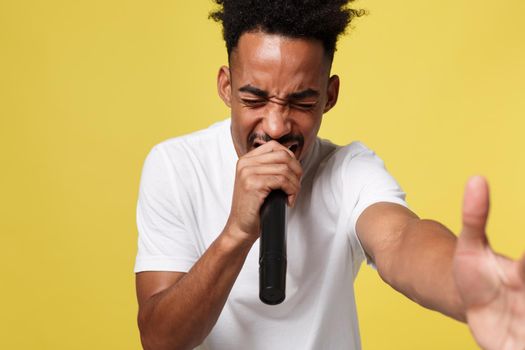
column 88, row 87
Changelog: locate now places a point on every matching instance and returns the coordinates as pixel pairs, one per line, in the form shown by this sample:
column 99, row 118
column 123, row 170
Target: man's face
column 277, row 88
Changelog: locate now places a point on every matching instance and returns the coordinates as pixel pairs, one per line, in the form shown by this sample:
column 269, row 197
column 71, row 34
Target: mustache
column 283, row 140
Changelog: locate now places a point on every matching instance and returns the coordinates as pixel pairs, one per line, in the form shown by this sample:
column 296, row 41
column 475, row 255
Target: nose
column 276, row 122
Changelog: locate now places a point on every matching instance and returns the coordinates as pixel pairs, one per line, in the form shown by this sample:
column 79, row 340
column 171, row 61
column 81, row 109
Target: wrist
column 234, row 237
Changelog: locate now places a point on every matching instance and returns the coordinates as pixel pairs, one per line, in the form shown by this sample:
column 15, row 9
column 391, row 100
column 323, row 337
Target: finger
column 291, row 200
column 277, row 169
column 271, row 177
column 267, row 178
column 264, row 184
column 277, row 157
column 475, row 212
column 276, row 182
column 282, row 158
column 270, row 146
column 267, row 174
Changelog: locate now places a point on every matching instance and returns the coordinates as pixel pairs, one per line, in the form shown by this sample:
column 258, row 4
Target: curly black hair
column 323, row 20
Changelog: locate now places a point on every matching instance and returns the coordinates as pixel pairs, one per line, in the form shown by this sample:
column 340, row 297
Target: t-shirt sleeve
column 368, row 182
column 164, row 241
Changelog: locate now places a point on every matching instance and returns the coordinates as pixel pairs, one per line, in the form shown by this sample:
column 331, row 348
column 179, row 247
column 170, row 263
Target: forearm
column 420, row 267
column 181, row 316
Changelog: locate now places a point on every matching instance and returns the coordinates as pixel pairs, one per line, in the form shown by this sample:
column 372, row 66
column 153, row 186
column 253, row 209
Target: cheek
column 243, row 121
column 309, row 127
column 243, row 124
column 247, row 119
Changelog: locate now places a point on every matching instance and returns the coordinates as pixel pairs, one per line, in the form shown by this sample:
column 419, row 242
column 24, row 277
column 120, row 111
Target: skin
column 492, row 286
column 278, row 89
column 178, row 310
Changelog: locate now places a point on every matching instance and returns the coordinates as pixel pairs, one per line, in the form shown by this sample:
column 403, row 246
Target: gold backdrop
column 88, row 87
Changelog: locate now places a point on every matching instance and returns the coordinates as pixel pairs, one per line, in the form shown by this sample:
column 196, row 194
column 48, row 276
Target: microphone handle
column 272, row 256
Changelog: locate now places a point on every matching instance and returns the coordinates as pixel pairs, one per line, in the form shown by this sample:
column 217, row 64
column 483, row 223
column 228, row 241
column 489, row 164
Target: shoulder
column 335, row 167
column 353, row 155
column 353, row 151
column 197, row 141
column 203, row 148
column 181, row 158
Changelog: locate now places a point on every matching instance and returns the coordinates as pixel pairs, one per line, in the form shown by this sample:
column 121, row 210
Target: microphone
column 272, row 255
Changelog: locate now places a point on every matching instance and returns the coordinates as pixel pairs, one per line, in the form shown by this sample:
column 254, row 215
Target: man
column 200, row 197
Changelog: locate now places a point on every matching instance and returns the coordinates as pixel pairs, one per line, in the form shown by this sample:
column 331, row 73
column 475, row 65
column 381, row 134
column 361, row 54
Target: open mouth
column 293, row 147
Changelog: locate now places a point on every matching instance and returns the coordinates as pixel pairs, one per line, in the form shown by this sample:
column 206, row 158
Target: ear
column 224, row 86
column 333, row 93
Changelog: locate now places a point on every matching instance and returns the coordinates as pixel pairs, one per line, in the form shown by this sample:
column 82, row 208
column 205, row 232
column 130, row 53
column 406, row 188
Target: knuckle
column 242, row 171
column 241, row 163
column 247, row 172
column 251, row 182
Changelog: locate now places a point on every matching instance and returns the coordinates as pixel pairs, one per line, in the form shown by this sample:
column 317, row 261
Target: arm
column 178, row 310
column 462, row 277
column 491, row 286
column 414, row 256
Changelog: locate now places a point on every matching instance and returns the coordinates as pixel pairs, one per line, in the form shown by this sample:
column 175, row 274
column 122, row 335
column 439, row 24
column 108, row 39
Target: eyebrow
column 254, row 91
column 299, row 95
column 303, row 94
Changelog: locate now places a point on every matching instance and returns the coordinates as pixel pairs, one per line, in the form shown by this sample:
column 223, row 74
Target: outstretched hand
column 492, row 287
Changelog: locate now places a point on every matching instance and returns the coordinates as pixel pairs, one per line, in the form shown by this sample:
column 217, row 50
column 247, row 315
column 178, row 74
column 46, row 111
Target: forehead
column 278, row 61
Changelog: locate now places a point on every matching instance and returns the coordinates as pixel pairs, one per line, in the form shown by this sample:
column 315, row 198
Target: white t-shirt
column 184, row 202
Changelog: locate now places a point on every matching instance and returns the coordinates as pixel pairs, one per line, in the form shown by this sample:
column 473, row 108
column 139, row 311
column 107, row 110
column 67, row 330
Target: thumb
column 475, row 213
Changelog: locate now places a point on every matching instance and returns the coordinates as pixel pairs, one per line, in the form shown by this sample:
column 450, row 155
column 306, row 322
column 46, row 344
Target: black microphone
column 272, row 255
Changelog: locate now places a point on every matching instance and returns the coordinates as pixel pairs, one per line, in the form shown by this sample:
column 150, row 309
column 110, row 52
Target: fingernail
column 475, row 181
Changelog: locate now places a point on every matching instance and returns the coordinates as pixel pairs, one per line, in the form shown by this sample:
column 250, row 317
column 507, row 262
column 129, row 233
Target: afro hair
column 323, row 20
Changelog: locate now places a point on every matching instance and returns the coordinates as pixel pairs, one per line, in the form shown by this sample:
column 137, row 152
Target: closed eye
column 253, row 102
column 304, row 105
